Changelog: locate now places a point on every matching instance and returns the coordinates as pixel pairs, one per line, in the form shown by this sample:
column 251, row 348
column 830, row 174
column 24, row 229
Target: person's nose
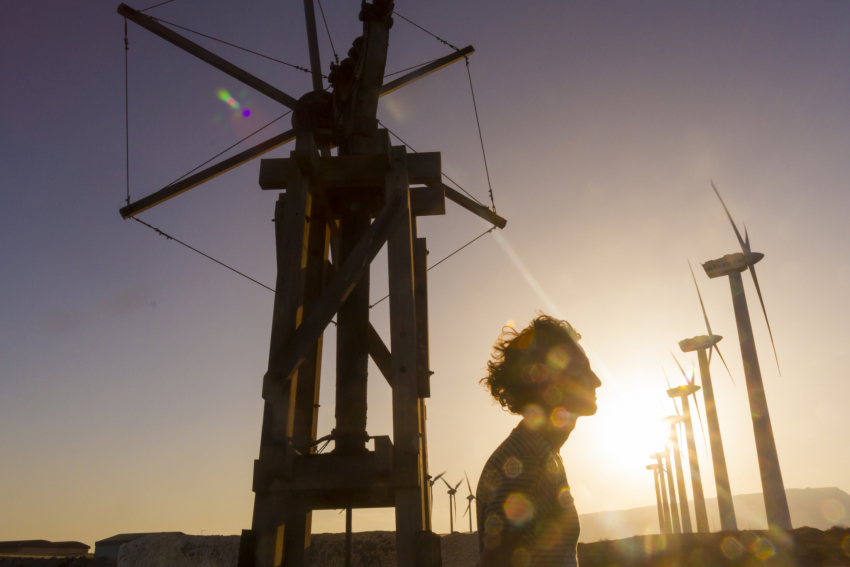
column 596, row 382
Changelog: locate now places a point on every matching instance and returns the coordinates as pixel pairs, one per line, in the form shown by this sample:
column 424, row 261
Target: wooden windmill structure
column 350, row 204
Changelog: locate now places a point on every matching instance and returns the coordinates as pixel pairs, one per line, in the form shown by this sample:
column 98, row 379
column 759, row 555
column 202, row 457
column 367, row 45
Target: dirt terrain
column 803, row 547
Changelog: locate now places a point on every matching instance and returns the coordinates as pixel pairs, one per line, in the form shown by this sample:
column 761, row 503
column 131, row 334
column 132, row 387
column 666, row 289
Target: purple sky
column 130, row 367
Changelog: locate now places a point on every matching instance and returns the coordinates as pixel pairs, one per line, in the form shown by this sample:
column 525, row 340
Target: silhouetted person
column 526, row 513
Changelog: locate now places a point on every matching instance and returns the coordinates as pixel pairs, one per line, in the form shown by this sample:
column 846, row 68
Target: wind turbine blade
column 758, row 291
column 458, row 484
column 680, row 366
column 707, row 324
column 720, row 354
column 738, row 234
column 746, row 238
column 438, row 477
column 469, row 486
column 446, row 483
column 465, row 512
column 693, row 373
column 669, row 387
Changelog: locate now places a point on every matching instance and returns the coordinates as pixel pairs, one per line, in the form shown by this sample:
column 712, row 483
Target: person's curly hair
column 521, row 361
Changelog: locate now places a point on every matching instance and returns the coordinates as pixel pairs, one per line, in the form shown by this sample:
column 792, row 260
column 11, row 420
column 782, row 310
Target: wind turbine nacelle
column 682, row 391
column 702, row 342
column 729, row 263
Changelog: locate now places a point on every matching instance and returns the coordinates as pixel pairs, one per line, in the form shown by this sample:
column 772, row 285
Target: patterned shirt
column 523, row 491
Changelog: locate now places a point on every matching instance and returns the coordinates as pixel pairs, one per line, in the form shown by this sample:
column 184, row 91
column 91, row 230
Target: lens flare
column 520, row 557
column 560, row 417
column 228, row 99
column 766, row 550
column 845, row 545
column 518, row 508
column 534, row 416
column 832, row 510
column 731, row 547
column 513, row 467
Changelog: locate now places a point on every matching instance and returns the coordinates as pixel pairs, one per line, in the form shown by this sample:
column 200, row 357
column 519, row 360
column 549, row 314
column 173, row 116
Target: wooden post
column 268, row 524
column 352, row 350
column 775, row 500
column 409, row 500
column 423, row 378
column 725, row 505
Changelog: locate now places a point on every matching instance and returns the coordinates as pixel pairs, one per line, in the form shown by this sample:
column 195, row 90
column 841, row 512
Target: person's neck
column 557, row 436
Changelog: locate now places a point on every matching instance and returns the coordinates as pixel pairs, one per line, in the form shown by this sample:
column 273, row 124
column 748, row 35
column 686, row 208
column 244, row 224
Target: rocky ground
column 803, row 547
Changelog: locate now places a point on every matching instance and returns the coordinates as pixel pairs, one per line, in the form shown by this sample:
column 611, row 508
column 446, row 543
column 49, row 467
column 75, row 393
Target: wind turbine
column 668, row 525
column 775, row 500
column 662, row 519
column 470, row 498
column 452, row 504
column 690, row 389
column 700, row 344
column 431, row 482
column 671, row 489
column 672, row 421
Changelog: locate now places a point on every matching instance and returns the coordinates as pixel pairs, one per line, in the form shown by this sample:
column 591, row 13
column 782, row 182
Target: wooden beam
column 377, row 349
column 207, row 56
column 293, row 351
column 380, row 354
column 342, row 172
column 474, row 207
column 204, row 175
column 426, row 70
column 313, row 42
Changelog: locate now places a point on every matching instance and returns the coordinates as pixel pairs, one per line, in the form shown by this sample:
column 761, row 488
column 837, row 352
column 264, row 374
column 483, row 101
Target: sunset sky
column 131, row 367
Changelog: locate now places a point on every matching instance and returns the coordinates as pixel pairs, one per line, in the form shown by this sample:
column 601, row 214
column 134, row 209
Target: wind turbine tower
column 672, row 421
column 659, row 470
column 775, row 500
column 662, row 519
column 700, row 344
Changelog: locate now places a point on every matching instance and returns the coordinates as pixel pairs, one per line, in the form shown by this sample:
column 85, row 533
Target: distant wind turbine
column 672, row 421
column 700, row 344
column 452, row 504
column 775, row 500
column 668, row 521
column 470, row 499
column 662, row 521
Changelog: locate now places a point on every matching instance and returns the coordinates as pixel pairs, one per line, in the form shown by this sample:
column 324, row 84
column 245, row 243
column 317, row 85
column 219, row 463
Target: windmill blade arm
column 425, row 70
column 758, row 291
column 474, row 208
column 207, row 56
column 205, row 175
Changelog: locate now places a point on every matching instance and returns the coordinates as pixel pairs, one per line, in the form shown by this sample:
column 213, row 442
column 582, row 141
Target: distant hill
column 819, row 508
